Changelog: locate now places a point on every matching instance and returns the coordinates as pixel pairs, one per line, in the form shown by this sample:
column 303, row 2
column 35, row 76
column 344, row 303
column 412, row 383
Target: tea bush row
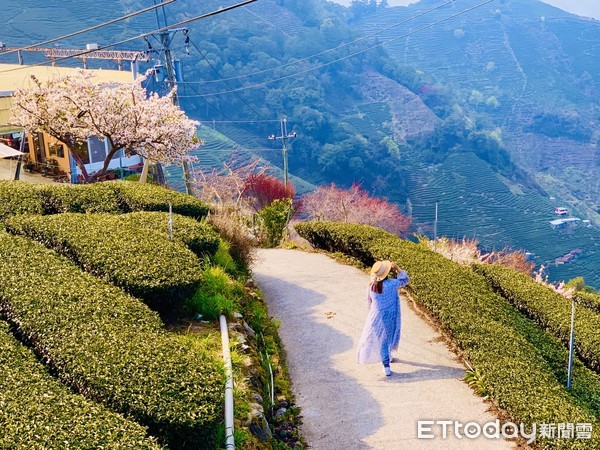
column 108, row 346
column 199, row 237
column 17, row 197
column 549, row 309
column 141, row 260
column 480, row 322
column 588, row 299
column 39, row 412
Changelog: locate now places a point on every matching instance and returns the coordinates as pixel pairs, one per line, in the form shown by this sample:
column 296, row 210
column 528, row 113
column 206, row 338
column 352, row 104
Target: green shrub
column 108, row 346
column 88, row 198
column 515, row 373
column 274, row 218
column 199, row 237
column 242, row 247
column 38, row 412
column 223, row 258
column 585, row 387
column 588, row 299
column 148, row 197
column 550, row 310
column 142, row 261
column 17, row 197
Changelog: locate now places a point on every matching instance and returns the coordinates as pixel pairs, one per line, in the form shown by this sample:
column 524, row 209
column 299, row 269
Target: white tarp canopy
column 7, row 152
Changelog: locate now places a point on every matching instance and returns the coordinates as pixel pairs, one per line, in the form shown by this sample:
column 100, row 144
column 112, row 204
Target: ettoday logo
column 441, row 429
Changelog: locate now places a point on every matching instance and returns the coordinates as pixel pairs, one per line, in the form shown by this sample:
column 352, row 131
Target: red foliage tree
column 261, row 190
column 354, row 205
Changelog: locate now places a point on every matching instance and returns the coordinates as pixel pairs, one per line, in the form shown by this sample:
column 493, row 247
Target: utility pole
column 435, row 227
column 571, row 345
column 284, row 137
column 173, row 68
column 172, row 78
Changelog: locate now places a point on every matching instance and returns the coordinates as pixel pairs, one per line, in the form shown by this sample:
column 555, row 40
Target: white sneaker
column 387, row 371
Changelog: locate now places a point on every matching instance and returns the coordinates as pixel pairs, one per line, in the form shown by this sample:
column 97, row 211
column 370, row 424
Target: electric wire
column 247, row 121
column 431, row 25
column 201, row 53
column 140, row 36
column 95, row 27
column 306, row 58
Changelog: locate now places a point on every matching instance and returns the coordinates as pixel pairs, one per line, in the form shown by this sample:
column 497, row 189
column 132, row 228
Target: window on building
column 57, row 149
column 82, row 151
column 97, row 149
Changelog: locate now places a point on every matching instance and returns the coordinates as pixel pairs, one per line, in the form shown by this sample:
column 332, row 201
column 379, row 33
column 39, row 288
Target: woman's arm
column 402, row 277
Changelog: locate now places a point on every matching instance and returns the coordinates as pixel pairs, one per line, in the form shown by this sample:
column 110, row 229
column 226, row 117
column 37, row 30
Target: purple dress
column 381, row 333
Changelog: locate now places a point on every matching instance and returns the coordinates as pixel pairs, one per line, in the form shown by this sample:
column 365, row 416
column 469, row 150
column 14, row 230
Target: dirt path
column 322, row 307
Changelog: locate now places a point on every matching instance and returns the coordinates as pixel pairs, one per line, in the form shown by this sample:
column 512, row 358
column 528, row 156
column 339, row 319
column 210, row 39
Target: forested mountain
column 490, row 109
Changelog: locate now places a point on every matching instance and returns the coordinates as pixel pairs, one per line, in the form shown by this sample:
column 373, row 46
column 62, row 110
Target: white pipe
column 229, row 440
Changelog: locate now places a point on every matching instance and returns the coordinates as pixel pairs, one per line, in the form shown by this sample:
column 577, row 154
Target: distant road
column 322, row 307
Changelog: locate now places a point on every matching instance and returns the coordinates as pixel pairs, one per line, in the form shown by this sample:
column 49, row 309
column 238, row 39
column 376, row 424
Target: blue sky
column 589, row 8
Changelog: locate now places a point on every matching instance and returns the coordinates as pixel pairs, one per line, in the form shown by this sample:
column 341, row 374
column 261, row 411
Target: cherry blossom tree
column 354, row 205
column 72, row 108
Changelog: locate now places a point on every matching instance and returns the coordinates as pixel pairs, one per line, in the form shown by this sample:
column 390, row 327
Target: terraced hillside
column 522, row 65
column 498, row 213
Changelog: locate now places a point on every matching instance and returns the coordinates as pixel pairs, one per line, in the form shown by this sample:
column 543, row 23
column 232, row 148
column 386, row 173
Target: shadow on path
column 311, row 344
column 424, row 373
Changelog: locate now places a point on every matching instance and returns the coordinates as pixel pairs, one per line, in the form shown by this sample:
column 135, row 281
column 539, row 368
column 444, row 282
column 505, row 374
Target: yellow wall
column 5, row 103
column 14, row 76
column 63, row 162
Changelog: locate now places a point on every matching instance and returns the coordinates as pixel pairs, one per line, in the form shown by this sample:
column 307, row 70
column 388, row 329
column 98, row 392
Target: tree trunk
column 79, row 163
column 107, row 160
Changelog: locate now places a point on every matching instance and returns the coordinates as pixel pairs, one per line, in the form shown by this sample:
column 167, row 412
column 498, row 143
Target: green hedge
column 550, row 310
column 589, row 300
column 516, row 374
column 585, row 383
column 108, row 346
column 38, row 412
column 199, row 237
column 87, row 198
column 142, row 261
column 18, row 197
column 147, row 197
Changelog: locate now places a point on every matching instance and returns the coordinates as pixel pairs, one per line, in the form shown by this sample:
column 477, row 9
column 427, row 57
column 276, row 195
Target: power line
column 250, row 150
column 352, row 54
column 201, row 53
column 95, row 27
column 141, row 36
column 328, row 50
column 245, row 121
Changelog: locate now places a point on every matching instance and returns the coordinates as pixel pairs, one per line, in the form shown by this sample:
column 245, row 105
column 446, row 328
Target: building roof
column 567, row 220
column 15, row 76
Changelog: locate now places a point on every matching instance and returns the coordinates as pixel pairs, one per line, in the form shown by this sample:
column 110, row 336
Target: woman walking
column 381, row 333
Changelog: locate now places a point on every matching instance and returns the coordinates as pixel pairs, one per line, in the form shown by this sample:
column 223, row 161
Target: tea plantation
column 87, row 362
column 515, row 342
